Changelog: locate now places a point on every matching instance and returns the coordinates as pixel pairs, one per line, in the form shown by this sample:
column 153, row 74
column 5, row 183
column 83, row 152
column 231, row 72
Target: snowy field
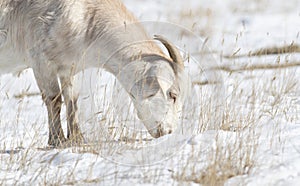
column 241, row 124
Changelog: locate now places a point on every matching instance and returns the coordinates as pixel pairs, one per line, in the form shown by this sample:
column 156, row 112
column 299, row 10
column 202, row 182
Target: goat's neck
column 123, row 54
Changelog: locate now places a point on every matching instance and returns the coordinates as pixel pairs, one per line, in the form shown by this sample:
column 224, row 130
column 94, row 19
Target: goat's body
column 58, row 38
column 61, row 33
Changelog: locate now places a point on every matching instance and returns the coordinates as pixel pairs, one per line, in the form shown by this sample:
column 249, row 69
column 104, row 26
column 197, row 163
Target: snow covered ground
column 245, row 124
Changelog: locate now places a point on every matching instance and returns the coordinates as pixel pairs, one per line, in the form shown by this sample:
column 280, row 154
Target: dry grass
column 231, row 151
column 227, row 135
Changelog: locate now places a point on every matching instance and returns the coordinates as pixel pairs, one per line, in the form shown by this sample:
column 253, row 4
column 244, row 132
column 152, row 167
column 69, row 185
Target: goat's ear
column 173, row 51
column 145, row 88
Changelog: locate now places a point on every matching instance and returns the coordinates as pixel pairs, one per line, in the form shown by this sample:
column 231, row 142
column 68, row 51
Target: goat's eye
column 173, row 96
column 150, row 96
column 132, row 96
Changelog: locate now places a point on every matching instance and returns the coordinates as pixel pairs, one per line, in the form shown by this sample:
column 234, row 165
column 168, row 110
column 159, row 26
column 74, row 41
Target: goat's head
column 159, row 93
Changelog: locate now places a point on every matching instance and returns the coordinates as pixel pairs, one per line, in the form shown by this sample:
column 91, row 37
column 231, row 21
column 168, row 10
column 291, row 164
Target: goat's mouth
column 159, row 131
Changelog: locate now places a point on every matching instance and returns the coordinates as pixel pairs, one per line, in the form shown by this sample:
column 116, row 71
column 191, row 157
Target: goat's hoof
column 75, row 140
column 57, row 142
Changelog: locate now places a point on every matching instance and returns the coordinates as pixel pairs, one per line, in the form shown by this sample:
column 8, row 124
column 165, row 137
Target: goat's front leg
column 70, row 98
column 51, row 94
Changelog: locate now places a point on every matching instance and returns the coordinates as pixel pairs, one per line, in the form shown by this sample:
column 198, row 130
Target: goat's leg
column 51, row 94
column 70, row 98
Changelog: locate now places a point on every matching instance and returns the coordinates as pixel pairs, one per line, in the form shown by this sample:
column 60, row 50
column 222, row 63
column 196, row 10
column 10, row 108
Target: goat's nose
column 170, row 131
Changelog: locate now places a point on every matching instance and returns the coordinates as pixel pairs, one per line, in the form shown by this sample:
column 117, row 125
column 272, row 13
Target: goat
column 59, row 38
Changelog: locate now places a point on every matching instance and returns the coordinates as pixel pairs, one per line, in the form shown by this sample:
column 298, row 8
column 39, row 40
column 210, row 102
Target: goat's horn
column 173, row 51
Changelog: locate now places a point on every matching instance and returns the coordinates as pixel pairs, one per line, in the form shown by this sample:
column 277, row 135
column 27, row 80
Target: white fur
column 58, row 38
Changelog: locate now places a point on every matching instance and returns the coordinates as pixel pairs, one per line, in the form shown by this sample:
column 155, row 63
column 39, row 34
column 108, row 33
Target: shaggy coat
column 59, row 38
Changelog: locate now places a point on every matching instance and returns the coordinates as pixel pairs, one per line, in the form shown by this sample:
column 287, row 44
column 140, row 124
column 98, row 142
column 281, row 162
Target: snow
column 243, row 130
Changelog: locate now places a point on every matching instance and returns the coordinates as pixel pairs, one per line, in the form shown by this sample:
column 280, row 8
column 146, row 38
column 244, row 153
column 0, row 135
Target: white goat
column 59, row 38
